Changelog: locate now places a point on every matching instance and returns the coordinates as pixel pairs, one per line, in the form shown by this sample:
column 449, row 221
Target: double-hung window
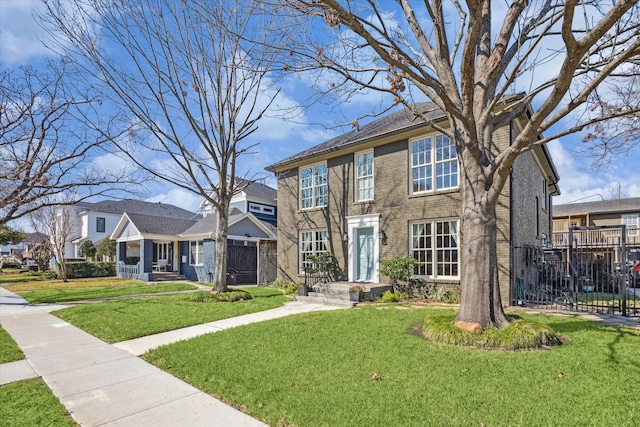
column 196, row 252
column 364, row 176
column 435, row 247
column 434, row 164
column 631, row 221
column 313, row 186
column 311, row 243
column 101, row 224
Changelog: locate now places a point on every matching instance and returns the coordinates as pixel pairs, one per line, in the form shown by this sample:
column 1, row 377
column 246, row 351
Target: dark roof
column 399, row 121
column 604, row 206
column 257, row 189
column 156, row 209
column 36, row 237
column 148, row 224
column 208, row 223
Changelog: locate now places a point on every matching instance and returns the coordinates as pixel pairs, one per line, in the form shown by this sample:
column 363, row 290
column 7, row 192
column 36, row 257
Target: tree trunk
column 481, row 301
column 220, row 268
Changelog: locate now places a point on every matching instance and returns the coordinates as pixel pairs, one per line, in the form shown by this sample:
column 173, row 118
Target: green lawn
column 61, row 294
column 30, row 403
column 363, row 367
column 126, row 319
column 9, row 350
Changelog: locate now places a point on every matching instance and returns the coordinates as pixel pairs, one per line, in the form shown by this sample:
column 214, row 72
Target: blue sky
column 20, row 44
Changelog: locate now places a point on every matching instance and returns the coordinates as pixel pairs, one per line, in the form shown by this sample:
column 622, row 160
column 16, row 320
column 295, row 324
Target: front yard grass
column 30, row 403
column 366, row 367
column 127, row 319
column 9, row 350
column 61, row 294
column 37, row 282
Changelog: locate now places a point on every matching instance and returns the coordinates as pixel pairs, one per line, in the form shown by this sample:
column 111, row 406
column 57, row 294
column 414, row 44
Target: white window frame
column 311, row 243
column 428, row 166
column 318, row 186
column 632, row 222
column 256, row 208
column 440, row 260
column 198, row 254
column 364, row 177
column 545, row 196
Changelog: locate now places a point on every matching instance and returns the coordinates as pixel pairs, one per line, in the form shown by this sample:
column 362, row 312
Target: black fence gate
column 588, row 270
column 242, row 264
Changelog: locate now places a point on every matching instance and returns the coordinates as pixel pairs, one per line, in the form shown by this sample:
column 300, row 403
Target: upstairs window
column 101, row 225
column 313, row 186
column 631, row 221
column 364, row 176
column 434, row 164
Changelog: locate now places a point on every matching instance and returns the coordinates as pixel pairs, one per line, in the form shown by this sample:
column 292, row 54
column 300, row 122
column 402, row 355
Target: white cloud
column 578, row 183
column 178, row 197
column 20, row 34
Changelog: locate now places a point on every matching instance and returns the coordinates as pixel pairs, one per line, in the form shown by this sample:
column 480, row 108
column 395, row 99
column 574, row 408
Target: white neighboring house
column 255, row 197
column 96, row 221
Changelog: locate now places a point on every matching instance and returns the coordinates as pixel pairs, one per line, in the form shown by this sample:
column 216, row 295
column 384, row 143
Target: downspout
column 511, row 249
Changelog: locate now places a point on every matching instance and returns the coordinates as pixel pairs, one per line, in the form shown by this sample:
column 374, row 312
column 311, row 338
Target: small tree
column 399, row 269
column 59, row 223
column 87, row 249
column 9, row 236
column 106, row 248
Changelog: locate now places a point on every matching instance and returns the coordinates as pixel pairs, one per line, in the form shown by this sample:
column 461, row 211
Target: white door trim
column 353, row 224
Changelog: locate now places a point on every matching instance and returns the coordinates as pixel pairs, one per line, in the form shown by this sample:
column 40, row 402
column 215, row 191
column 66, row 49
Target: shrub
column 106, row 247
column 77, row 270
column 87, row 249
column 12, row 265
column 132, row 260
column 389, row 296
column 454, row 295
column 519, row 334
column 230, row 296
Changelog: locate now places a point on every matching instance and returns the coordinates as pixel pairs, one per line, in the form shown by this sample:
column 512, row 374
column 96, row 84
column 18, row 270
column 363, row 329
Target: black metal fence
column 586, row 278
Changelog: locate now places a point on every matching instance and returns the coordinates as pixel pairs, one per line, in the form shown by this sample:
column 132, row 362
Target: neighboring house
column 150, row 247
column 96, row 221
column 22, row 251
column 254, row 197
column 391, row 188
column 599, row 231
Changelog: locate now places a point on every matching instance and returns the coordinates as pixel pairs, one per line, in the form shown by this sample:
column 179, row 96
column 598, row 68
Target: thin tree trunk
column 220, row 270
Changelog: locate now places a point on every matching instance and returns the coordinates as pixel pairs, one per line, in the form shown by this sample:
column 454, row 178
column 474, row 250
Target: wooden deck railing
column 596, row 238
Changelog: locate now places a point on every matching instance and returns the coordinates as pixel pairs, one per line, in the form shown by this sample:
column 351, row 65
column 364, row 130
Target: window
column 631, row 221
column 434, row 245
column 427, row 158
column 311, row 243
column 364, row 176
column 100, row 225
column 261, row 209
column 313, row 186
column 196, row 253
column 545, row 197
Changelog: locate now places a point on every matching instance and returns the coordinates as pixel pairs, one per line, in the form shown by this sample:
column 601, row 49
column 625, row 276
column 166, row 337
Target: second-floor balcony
column 596, row 237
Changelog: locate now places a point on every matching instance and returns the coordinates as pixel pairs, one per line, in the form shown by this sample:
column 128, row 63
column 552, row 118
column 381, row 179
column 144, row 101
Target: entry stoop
column 162, row 276
column 337, row 293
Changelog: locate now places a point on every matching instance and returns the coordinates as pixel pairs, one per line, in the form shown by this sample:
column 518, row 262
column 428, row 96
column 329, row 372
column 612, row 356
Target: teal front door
column 364, row 260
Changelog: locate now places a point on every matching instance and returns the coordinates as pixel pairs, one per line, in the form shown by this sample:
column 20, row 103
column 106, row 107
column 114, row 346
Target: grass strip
column 9, row 350
column 127, row 319
column 30, row 403
column 365, row 367
column 92, row 282
column 59, row 295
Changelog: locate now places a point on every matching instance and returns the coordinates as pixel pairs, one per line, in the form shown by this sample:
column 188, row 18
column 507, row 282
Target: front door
column 364, row 260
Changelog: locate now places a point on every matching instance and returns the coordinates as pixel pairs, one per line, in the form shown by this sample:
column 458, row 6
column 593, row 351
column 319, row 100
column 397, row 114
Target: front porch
column 337, row 293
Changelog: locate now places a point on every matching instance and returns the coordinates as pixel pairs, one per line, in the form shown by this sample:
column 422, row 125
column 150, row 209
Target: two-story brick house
column 391, row 188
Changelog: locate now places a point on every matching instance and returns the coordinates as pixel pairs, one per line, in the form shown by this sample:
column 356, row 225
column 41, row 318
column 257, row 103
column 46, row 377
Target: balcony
column 596, row 238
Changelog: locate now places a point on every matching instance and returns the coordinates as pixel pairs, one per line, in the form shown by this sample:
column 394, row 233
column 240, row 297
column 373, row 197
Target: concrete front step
column 167, row 277
column 318, row 298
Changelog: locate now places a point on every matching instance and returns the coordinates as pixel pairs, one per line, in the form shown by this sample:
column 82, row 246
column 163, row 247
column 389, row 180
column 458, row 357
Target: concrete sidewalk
column 102, row 385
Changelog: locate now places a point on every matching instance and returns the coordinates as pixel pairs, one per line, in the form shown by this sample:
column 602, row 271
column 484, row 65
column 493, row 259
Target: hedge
column 77, row 270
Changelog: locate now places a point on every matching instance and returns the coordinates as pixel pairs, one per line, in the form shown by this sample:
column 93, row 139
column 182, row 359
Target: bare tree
column 49, row 135
column 468, row 61
column 194, row 87
column 60, row 223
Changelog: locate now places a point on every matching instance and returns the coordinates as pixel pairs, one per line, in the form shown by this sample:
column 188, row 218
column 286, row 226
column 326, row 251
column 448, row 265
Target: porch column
column 209, row 258
column 146, row 258
column 121, row 251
